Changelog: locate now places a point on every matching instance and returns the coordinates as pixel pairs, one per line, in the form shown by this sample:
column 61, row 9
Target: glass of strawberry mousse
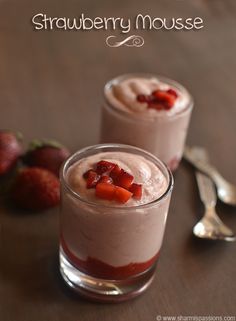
column 114, row 205
column 147, row 111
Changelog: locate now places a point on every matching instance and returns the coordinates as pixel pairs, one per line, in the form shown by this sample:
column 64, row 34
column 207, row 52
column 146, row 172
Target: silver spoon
column 210, row 226
column 225, row 190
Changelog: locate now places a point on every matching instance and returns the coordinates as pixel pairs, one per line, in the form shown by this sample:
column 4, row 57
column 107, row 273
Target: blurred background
column 51, row 86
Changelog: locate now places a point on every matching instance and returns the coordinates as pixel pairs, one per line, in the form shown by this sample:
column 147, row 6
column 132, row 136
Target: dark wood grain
column 51, row 86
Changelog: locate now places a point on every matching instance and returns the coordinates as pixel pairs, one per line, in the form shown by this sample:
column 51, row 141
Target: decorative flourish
column 131, row 41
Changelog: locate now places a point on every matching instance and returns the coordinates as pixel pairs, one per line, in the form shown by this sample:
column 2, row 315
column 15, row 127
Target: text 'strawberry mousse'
column 115, row 200
column 149, row 112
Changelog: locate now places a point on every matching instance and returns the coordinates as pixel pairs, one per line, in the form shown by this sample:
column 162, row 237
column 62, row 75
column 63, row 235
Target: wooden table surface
column 51, row 86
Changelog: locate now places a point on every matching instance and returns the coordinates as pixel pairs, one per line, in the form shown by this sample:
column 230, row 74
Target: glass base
column 101, row 289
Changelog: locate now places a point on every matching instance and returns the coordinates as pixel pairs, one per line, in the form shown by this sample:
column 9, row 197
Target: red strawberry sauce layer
column 97, row 268
column 174, row 163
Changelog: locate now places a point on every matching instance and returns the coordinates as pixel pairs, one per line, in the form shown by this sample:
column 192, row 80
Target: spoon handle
column 207, row 190
column 190, row 155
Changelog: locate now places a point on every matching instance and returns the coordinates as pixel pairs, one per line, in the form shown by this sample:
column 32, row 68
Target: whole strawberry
column 36, row 189
column 10, row 151
column 49, row 155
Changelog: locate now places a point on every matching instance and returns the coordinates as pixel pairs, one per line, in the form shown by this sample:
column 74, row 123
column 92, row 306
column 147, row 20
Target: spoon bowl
column 198, row 157
column 226, row 192
column 211, row 227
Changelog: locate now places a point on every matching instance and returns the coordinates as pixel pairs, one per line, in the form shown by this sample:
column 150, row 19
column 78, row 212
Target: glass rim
column 76, row 195
column 167, row 80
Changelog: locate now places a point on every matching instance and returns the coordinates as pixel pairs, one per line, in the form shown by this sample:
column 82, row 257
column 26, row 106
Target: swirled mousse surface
column 123, row 95
column 146, row 173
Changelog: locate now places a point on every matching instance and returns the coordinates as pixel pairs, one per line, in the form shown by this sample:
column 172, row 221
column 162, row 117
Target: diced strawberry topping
column 164, row 97
column 151, row 99
column 142, row 98
column 169, row 103
column 115, row 172
column 168, row 106
column 104, row 167
column 136, row 189
column 159, row 99
column 106, row 179
column 160, row 95
column 92, row 178
column 172, row 92
column 122, row 195
column 124, row 179
column 105, row 191
column 86, row 174
column 112, row 182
